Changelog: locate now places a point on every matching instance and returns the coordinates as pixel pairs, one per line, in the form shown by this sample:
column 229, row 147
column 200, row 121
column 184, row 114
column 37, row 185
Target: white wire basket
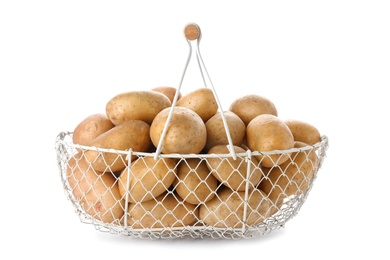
column 236, row 214
column 156, row 195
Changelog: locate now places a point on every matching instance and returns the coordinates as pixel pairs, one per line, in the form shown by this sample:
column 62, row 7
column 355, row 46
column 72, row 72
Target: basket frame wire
column 129, row 160
column 194, row 44
column 247, row 181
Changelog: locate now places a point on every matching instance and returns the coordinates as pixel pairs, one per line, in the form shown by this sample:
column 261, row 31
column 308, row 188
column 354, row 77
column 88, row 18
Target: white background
column 326, row 62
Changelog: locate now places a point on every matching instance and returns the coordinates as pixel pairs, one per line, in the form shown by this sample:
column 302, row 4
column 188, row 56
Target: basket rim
column 62, row 135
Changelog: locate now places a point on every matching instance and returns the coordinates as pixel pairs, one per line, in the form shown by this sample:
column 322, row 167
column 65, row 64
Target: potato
column 168, row 91
column 216, row 132
column 233, row 173
column 96, row 192
column 268, row 133
column 149, row 178
column 303, row 131
column 194, row 183
column 227, row 209
column 165, row 211
column 249, row 106
column 90, row 128
column 201, row 101
column 186, row 131
column 132, row 134
column 136, row 105
column 291, row 177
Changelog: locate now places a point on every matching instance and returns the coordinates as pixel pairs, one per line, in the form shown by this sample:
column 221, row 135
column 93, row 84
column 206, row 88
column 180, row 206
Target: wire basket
column 155, row 195
column 235, row 214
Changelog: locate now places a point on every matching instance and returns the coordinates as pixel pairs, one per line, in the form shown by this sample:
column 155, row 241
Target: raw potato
column 186, row 132
column 111, row 184
column 132, row 134
column 249, row 106
column 303, row 131
column 149, row 178
column 194, row 183
column 96, row 192
column 232, row 173
column 227, row 209
column 291, row 177
column 165, row 211
column 90, row 128
column 268, row 133
column 136, row 105
column 201, row 101
column 216, row 132
column 170, row 92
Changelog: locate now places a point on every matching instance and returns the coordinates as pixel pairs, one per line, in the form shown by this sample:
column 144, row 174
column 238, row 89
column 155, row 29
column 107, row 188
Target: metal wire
column 194, row 44
column 159, row 229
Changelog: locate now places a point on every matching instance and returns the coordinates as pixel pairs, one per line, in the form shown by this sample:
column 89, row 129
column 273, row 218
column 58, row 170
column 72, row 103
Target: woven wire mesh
column 194, row 195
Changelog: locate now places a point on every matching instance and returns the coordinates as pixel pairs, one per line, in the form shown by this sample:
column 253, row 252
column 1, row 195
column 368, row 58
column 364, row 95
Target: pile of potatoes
column 202, row 190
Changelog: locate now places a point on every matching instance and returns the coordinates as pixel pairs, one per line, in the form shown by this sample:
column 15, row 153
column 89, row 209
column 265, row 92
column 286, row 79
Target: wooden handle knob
column 192, row 32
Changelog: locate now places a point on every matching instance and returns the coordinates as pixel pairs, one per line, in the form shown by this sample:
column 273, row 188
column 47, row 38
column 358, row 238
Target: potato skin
column 132, row 134
column 90, row 128
column 136, row 105
column 268, row 133
column 303, row 131
column 201, row 101
column 186, row 132
column 96, row 192
column 194, row 183
column 216, row 132
column 165, row 211
column 232, row 173
column 249, row 106
column 227, row 209
column 170, row 92
column 291, row 177
column 149, row 178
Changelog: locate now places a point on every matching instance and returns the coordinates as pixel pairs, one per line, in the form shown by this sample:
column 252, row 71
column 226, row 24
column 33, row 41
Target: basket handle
column 193, row 36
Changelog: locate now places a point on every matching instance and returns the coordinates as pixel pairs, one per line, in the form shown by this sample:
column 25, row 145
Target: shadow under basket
column 142, row 195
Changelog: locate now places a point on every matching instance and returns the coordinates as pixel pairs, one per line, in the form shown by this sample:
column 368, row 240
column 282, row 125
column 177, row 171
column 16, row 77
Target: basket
column 230, row 195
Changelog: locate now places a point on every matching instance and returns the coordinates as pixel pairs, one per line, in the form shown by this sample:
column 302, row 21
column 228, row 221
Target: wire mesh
column 192, row 195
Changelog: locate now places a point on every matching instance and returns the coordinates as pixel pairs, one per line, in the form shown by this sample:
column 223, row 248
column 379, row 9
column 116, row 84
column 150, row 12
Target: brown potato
column 132, row 134
column 149, row 178
column 226, row 210
column 268, row 133
column 291, row 177
column 90, row 128
column 136, row 105
column 186, row 131
column 201, row 101
column 170, row 92
column 249, row 106
column 216, row 132
column 194, row 183
column 233, row 173
column 96, row 192
column 303, row 131
column 165, row 211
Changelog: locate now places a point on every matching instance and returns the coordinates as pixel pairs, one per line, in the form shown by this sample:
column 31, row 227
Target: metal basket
column 228, row 196
column 248, row 221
